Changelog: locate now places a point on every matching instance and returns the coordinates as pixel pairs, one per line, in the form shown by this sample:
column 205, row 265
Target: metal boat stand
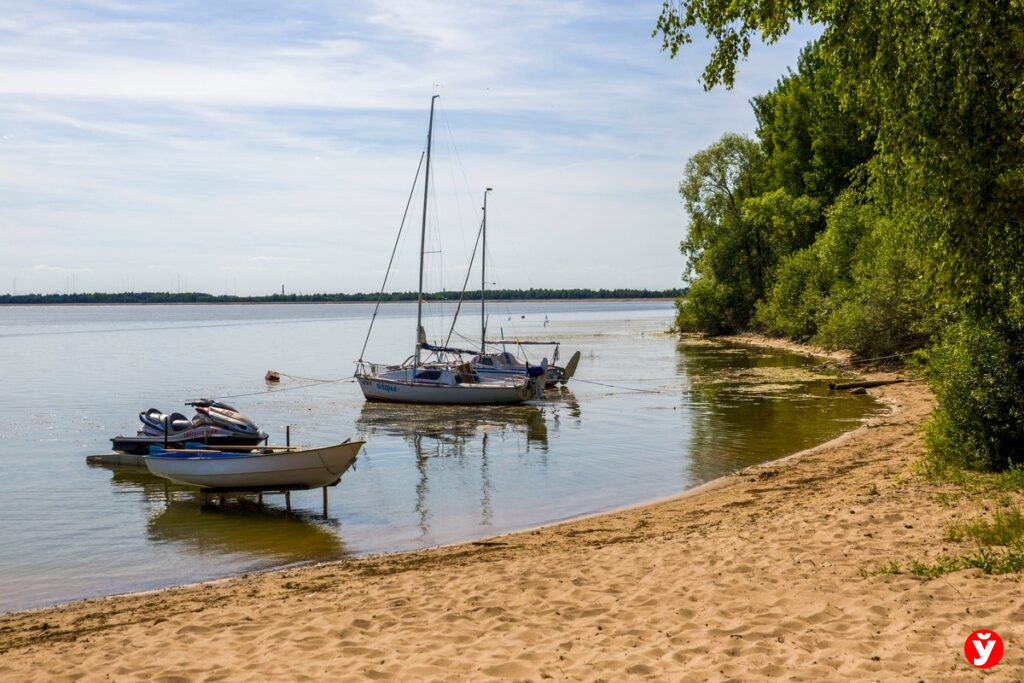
column 221, row 493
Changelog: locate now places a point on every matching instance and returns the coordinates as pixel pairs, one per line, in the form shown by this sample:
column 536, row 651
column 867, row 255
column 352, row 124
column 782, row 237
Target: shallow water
column 649, row 417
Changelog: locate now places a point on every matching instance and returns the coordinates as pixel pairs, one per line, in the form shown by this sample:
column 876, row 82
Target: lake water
column 649, row 417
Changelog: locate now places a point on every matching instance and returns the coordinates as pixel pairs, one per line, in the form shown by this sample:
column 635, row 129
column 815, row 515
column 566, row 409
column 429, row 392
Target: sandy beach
column 760, row 574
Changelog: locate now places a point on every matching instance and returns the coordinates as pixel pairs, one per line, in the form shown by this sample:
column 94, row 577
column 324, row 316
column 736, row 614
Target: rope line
column 394, row 249
column 462, row 294
column 318, row 380
column 315, row 383
column 617, row 386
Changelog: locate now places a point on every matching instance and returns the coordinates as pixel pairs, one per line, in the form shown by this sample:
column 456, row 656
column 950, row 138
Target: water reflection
column 452, row 425
column 238, row 528
column 745, row 406
column 436, row 433
column 135, row 479
column 564, row 401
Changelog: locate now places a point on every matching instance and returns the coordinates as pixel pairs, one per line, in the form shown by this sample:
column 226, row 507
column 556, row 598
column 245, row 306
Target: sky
column 238, row 147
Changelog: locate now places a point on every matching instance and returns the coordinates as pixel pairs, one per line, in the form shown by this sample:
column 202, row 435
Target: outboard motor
column 538, row 375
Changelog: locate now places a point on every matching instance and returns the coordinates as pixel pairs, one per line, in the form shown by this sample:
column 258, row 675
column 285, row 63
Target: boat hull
column 484, row 393
column 552, row 375
column 139, row 445
column 306, row 469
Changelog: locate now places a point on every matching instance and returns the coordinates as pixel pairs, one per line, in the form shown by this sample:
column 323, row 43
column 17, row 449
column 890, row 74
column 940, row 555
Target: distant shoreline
column 655, row 296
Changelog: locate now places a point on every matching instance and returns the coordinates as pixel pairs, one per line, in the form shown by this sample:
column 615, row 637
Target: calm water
column 676, row 414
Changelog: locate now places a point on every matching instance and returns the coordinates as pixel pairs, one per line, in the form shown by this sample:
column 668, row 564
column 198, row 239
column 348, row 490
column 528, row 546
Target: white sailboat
column 502, row 365
column 418, row 380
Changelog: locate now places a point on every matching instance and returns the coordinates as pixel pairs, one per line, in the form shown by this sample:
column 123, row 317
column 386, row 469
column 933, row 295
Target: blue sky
column 239, row 146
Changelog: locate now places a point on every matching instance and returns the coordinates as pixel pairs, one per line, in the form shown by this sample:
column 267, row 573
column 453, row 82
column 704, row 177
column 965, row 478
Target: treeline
column 203, row 298
column 880, row 206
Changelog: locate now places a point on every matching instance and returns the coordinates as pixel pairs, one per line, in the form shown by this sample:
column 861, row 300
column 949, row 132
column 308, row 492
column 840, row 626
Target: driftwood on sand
column 866, row 384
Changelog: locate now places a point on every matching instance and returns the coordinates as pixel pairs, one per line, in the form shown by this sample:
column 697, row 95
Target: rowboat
column 273, row 469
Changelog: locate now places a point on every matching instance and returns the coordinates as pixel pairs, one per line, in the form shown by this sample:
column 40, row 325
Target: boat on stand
column 429, row 375
column 271, row 468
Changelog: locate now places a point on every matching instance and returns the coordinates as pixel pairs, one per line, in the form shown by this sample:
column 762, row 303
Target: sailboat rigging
column 502, row 364
column 420, row 380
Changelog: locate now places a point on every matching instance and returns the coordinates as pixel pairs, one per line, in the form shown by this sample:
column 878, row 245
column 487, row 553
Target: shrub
column 977, row 374
column 709, row 307
column 884, row 304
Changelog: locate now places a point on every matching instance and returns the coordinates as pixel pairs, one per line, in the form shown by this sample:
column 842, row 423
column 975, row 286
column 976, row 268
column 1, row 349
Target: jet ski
column 214, row 424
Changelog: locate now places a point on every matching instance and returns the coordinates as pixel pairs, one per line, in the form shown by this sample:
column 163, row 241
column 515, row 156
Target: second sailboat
column 422, row 380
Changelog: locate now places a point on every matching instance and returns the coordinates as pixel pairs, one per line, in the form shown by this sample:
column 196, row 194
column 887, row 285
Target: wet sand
column 757, row 574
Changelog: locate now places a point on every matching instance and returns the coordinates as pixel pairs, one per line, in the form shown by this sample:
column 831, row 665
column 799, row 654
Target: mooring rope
column 317, row 380
column 313, row 383
column 618, row 386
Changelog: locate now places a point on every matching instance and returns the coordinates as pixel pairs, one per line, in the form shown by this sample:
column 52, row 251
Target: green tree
column 940, row 87
column 726, row 257
column 800, row 164
column 802, row 297
column 811, row 143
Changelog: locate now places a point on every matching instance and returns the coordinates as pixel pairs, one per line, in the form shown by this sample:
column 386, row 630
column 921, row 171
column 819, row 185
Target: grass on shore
column 935, row 471
column 999, row 539
column 988, row 560
column 1005, row 529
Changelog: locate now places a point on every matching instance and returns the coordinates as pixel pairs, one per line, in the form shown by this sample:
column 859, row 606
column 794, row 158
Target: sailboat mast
column 483, row 279
column 420, row 334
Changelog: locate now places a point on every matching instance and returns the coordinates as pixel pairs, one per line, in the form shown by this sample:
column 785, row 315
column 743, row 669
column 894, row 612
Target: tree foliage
column 810, row 141
column 753, row 205
column 725, row 257
column 977, row 373
column 922, row 104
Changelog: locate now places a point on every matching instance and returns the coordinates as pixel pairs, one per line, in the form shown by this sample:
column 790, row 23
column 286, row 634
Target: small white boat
column 277, row 470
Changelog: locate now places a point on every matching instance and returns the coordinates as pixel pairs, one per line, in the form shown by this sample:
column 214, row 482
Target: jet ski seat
column 155, row 419
column 179, row 422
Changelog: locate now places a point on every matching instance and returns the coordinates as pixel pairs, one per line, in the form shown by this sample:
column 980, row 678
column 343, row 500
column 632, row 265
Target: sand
column 757, row 575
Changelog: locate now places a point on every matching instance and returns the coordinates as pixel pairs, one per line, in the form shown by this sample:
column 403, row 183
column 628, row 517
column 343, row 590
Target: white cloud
column 273, row 141
column 46, row 268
